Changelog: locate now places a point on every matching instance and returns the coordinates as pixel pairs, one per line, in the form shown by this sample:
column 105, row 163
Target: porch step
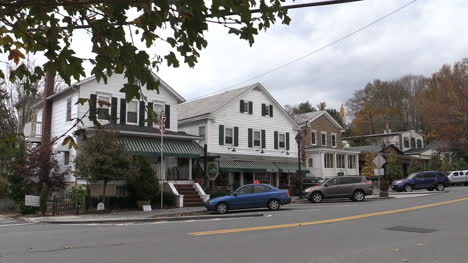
column 191, row 197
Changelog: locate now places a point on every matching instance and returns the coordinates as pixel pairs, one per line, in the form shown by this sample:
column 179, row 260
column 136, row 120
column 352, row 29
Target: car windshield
column 411, row 176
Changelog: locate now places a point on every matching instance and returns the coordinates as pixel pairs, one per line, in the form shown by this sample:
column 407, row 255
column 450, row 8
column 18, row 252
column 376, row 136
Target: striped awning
column 290, row 167
column 246, row 166
column 152, row 146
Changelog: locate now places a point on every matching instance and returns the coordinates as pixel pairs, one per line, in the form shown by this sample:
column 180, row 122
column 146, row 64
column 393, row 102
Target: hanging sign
column 212, row 170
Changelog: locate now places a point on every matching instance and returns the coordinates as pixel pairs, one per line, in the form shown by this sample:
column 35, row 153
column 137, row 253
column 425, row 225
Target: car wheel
column 430, row 189
column 274, row 204
column 358, row 196
column 408, row 188
column 222, row 208
column 440, row 187
column 316, row 197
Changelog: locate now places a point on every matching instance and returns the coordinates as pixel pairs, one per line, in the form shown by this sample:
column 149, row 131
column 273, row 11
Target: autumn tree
column 443, row 106
column 369, row 166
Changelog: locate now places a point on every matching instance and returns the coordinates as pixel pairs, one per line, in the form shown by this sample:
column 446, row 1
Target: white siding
column 113, row 86
column 230, row 116
column 192, row 128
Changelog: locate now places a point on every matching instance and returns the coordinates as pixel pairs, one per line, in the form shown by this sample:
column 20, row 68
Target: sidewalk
column 174, row 214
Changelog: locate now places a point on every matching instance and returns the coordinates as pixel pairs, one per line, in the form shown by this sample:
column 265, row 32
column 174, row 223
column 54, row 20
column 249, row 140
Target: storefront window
column 263, row 178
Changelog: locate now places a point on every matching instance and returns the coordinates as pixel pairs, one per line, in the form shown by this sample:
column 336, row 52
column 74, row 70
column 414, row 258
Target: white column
column 241, row 178
column 357, row 164
column 230, row 178
column 190, row 169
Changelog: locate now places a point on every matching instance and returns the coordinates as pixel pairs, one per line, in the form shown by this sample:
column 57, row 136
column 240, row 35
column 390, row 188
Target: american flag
column 162, row 123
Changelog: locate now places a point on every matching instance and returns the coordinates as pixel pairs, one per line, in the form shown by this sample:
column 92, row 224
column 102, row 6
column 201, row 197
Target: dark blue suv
column 429, row 180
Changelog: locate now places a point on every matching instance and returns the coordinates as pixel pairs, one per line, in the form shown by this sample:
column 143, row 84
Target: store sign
column 212, row 170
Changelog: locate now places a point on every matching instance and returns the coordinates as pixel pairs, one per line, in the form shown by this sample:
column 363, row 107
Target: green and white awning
column 246, row 166
column 290, row 167
column 152, row 146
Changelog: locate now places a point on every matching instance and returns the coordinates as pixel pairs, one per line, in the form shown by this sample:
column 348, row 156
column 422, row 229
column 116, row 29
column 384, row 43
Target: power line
column 314, row 51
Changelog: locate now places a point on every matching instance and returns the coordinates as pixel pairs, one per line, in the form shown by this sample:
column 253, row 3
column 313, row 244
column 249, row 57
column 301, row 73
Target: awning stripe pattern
column 250, row 166
column 152, row 146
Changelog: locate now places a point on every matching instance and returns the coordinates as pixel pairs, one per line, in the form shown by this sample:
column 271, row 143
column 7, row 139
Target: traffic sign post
column 379, row 161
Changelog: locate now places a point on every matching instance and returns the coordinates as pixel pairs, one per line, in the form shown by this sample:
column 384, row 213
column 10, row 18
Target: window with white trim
column 158, row 108
column 310, row 162
column 245, row 107
column 257, row 136
column 333, row 140
column 282, row 140
column 103, row 107
column 324, row 139
column 313, row 137
column 66, row 158
column 351, row 161
column 228, row 135
column 267, row 110
column 132, row 112
column 69, row 109
column 340, row 161
column 329, row 160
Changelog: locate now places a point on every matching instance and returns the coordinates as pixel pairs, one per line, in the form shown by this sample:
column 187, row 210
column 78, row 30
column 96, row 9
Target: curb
column 142, row 220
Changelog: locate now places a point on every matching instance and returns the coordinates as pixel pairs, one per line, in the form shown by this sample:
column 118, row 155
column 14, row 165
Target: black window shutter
column 249, row 137
column 221, row 134
column 236, row 136
column 287, row 141
column 263, row 139
column 167, row 111
column 276, row 140
column 150, row 108
column 263, row 109
column 241, row 106
column 250, row 107
column 114, row 110
column 271, row 111
column 123, row 111
column 92, row 106
column 141, row 120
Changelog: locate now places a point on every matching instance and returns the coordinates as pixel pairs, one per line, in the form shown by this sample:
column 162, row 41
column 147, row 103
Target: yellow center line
column 332, row 220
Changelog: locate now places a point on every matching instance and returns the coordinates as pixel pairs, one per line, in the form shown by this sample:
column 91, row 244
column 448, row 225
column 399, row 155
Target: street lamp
column 298, row 140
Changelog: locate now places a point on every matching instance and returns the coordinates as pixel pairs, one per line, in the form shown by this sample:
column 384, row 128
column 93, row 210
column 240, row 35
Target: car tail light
column 287, row 192
column 368, row 182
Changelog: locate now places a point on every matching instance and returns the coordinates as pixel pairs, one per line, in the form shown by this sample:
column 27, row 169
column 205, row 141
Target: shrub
column 3, row 186
column 143, row 185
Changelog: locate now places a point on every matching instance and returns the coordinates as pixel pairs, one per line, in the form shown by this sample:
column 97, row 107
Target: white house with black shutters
column 128, row 119
column 249, row 131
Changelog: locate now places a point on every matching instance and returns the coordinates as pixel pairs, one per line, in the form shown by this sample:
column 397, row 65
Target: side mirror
column 234, row 194
column 326, row 185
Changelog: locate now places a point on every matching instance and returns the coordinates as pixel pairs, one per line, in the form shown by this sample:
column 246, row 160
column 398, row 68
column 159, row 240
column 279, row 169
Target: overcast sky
column 418, row 39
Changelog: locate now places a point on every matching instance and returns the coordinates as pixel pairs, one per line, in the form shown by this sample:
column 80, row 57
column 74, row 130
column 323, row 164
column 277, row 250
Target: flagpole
column 163, row 174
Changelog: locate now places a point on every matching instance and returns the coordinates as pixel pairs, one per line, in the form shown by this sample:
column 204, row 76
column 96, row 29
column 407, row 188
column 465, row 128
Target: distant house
column 248, row 133
column 403, row 140
column 324, row 154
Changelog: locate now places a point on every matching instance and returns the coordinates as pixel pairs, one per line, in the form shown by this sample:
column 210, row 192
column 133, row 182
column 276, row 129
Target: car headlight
column 308, row 190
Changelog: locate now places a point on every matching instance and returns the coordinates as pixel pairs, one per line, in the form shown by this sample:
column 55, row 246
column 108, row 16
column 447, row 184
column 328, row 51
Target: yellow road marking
column 339, row 219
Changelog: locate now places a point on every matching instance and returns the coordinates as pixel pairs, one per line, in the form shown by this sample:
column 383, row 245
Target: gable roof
column 76, row 85
column 312, row 116
column 205, row 107
column 208, row 105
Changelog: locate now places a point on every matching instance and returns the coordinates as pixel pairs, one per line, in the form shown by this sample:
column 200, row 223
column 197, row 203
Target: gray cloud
column 419, row 40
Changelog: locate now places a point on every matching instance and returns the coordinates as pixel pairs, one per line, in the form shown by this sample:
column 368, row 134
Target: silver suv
column 354, row 187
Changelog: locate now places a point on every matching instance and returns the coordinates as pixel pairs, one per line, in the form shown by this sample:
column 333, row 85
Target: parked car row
column 354, row 187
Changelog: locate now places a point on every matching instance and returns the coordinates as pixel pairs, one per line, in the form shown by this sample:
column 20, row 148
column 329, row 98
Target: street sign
column 100, row 206
column 379, row 161
column 32, row 200
column 147, row 208
column 380, row 172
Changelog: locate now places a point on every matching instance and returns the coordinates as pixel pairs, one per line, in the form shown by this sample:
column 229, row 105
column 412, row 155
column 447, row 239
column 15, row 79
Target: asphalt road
column 432, row 228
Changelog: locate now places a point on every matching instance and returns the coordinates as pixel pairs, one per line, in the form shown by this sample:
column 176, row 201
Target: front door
column 419, row 181
column 248, row 178
column 261, row 195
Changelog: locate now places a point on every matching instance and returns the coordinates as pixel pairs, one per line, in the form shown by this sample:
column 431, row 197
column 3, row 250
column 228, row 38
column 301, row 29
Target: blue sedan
column 250, row 196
